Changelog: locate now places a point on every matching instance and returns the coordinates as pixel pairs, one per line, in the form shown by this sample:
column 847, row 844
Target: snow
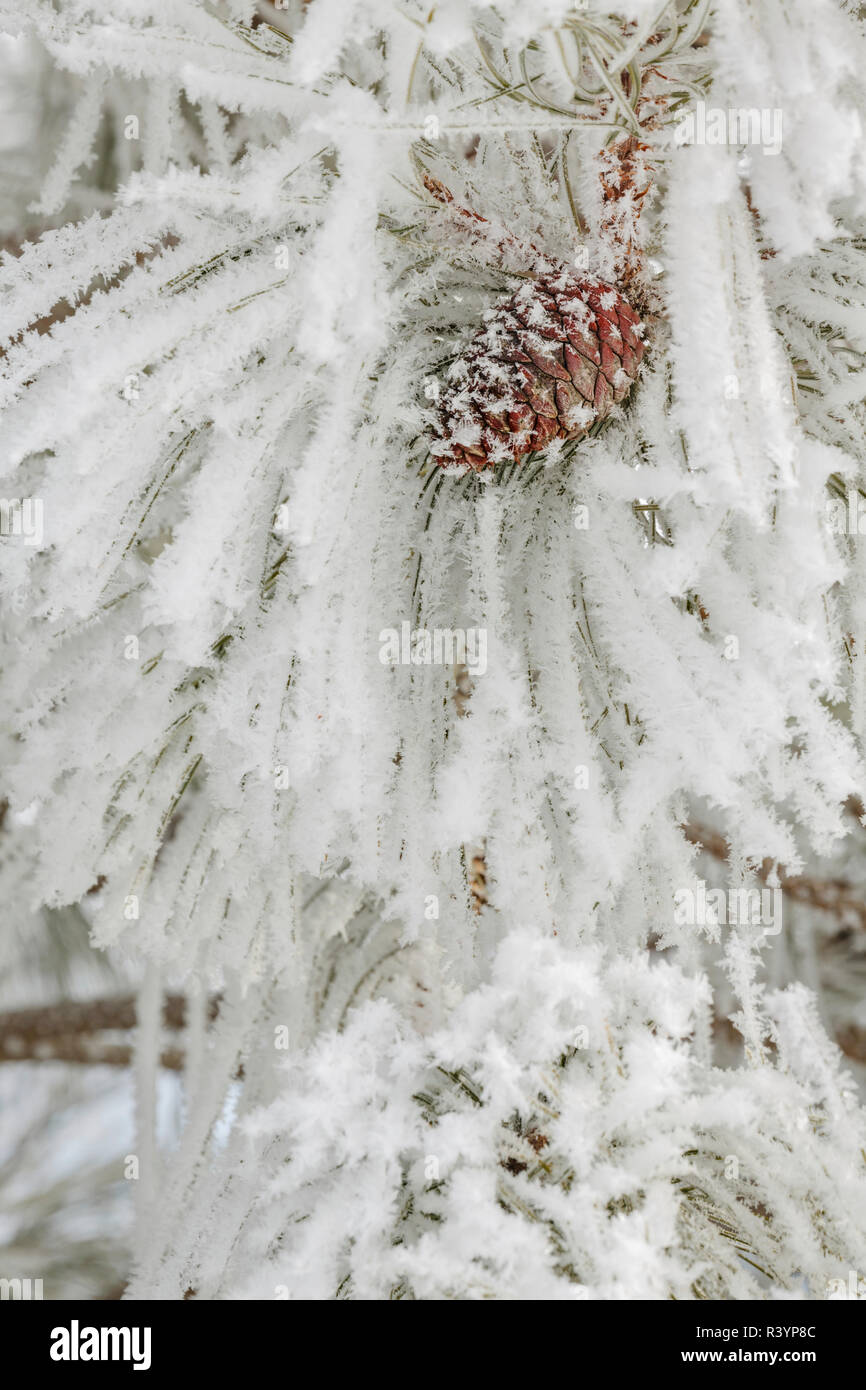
column 530, row 1101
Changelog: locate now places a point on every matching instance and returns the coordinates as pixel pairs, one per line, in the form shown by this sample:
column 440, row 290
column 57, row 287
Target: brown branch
column 480, row 230
column 474, row 856
column 83, row 1049
column 828, row 895
column 626, row 176
column 70, row 1031
column 852, row 1041
column 94, row 1016
column 64, row 308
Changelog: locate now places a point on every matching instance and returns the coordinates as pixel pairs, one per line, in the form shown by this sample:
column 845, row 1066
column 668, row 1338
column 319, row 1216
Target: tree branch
column 70, row 1031
column 828, row 895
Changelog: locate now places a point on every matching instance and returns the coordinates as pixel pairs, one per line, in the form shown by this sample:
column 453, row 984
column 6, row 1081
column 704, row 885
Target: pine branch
column 86, row 1050
column 828, row 895
column 474, row 856
column 69, row 1032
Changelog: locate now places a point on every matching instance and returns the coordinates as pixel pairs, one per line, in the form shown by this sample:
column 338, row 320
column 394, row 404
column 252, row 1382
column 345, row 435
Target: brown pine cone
column 550, row 362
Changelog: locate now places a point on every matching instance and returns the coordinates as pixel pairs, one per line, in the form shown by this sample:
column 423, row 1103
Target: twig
column 70, row 1031
column 84, row 1049
column 829, row 895
column 480, row 230
column 92, row 1016
column 626, row 176
column 473, row 855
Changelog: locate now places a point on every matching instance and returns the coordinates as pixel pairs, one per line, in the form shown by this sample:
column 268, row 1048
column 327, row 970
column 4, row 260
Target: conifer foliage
column 535, row 334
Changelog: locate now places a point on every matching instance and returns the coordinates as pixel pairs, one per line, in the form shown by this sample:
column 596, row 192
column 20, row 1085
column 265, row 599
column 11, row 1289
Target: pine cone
column 548, row 364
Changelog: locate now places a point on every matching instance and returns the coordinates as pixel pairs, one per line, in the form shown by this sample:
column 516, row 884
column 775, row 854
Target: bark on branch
column 829, row 895
column 74, row 1031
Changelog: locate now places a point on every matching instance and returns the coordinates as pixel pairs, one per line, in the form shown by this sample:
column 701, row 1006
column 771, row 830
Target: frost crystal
column 447, row 1035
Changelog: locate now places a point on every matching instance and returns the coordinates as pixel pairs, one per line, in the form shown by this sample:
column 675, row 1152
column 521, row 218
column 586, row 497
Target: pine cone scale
column 549, row 361
column 582, row 371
